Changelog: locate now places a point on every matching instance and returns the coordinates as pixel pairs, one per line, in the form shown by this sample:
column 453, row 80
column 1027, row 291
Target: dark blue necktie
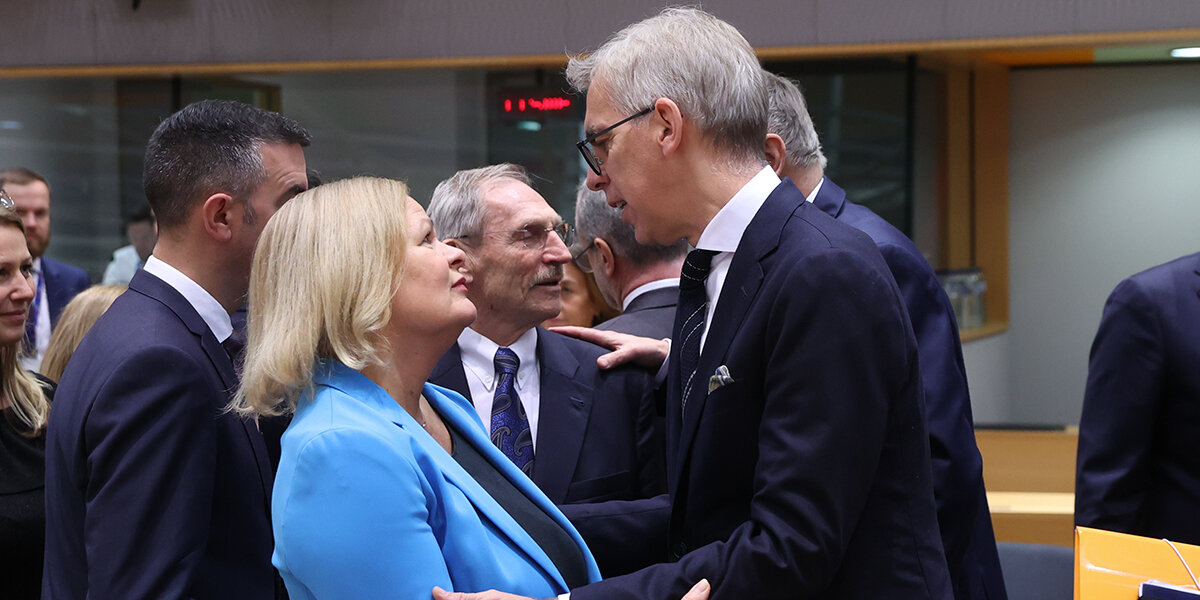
column 691, row 315
column 510, row 426
column 30, row 342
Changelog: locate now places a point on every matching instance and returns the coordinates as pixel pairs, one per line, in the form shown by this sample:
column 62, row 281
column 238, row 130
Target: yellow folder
column 1110, row 565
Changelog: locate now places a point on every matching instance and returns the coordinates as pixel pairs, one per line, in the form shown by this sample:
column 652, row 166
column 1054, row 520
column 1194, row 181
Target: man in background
column 582, row 434
column 141, row 232
column 56, row 282
column 153, row 490
column 1138, row 470
column 964, row 520
column 641, row 280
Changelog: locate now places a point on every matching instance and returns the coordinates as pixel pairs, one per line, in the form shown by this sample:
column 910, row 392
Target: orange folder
column 1110, row 565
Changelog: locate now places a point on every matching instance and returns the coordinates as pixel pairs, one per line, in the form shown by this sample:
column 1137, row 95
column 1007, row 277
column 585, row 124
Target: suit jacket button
column 679, row 550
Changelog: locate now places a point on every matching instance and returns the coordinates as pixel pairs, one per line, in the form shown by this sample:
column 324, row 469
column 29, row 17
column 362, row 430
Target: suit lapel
column 158, row 289
column 469, row 428
column 1197, row 271
column 449, row 373
column 563, row 413
column 737, row 294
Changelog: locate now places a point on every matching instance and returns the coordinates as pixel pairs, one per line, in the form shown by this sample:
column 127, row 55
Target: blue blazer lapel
column 737, row 294
column 467, row 423
column 566, row 403
column 831, row 199
column 1198, row 282
column 158, row 289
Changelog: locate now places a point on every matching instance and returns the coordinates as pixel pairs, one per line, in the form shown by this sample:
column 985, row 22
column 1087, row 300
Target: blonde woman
column 77, row 318
column 24, row 407
column 387, row 486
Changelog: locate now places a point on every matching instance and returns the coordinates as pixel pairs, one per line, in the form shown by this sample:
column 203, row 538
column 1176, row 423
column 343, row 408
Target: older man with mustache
column 583, row 435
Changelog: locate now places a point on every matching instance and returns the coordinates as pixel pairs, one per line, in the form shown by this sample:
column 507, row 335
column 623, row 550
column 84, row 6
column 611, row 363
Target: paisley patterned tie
column 510, row 426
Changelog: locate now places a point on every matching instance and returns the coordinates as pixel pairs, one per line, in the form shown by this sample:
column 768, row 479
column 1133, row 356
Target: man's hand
column 698, row 592
column 646, row 352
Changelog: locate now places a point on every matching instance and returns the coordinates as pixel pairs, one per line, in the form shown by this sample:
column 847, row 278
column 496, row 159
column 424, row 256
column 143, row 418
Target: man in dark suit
column 1138, row 470
column 964, row 520
column 590, row 432
column 152, row 490
column 56, row 282
column 798, row 463
column 641, row 280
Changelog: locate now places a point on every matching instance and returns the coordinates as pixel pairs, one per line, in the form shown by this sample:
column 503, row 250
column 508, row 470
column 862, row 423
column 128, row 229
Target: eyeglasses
column 585, row 146
column 580, row 256
column 533, row 236
column 6, row 201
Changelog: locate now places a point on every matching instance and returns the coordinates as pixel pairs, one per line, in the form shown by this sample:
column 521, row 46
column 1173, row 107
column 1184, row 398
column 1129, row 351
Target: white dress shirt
column 648, row 287
column 479, row 364
column 724, row 233
column 210, row 310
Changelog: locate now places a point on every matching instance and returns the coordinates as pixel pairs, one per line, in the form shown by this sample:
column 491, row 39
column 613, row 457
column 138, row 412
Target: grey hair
column 789, row 119
column 456, row 208
column 594, row 218
column 717, row 84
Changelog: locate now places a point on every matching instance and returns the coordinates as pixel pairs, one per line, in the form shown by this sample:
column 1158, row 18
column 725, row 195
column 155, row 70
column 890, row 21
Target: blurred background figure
column 55, row 283
column 142, row 233
column 24, row 408
column 642, row 280
column 77, row 318
column 582, row 303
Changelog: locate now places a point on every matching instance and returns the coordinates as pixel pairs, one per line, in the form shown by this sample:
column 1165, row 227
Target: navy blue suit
column 808, row 475
column 595, row 428
column 963, row 516
column 1138, row 468
column 62, row 281
column 651, row 315
column 151, row 490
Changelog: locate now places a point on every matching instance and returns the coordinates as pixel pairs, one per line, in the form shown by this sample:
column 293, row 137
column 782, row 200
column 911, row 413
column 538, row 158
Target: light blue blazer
column 368, row 505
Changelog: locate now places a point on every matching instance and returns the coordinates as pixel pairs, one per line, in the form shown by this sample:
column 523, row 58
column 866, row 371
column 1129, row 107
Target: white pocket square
column 719, row 378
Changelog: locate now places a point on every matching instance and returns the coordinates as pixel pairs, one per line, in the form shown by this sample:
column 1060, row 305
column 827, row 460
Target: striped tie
column 691, row 315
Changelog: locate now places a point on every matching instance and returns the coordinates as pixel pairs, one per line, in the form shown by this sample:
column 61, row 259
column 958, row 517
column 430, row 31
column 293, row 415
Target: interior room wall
column 1104, row 182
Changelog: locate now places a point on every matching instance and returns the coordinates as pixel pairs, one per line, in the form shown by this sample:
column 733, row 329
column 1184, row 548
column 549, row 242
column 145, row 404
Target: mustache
column 548, row 274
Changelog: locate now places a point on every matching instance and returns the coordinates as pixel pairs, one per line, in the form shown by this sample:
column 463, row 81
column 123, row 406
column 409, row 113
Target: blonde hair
column 75, row 321
column 324, row 273
column 26, row 401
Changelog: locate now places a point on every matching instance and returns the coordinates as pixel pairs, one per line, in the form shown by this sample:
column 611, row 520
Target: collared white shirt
column 210, row 310
column 812, row 197
column 724, row 233
column 647, row 287
column 479, row 363
column 42, row 328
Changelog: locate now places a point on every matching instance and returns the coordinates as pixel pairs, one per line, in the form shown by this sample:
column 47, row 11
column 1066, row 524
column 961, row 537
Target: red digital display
column 543, row 104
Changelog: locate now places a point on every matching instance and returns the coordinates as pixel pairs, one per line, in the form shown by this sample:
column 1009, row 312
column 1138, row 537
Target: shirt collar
column 648, row 287
column 812, row 197
column 479, row 355
column 210, row 310
column 725, row 230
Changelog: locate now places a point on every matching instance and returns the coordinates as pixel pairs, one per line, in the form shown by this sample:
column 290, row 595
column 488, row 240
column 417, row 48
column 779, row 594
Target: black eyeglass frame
column 585, row 144
column 580, row 256
column 565, row 232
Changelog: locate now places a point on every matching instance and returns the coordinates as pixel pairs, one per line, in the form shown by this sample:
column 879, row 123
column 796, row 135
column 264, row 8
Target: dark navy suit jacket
column 595, row 428
column 63, row 281
column 808, row 475
column 651, row 315
column 151, row 490
column 963, row 516
column 1138, row 468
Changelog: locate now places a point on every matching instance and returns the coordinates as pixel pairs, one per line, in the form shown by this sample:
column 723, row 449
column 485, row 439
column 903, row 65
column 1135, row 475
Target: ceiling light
column 1193, row 52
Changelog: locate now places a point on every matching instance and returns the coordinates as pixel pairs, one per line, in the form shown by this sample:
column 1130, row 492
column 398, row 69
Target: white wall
column 1104, row 182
